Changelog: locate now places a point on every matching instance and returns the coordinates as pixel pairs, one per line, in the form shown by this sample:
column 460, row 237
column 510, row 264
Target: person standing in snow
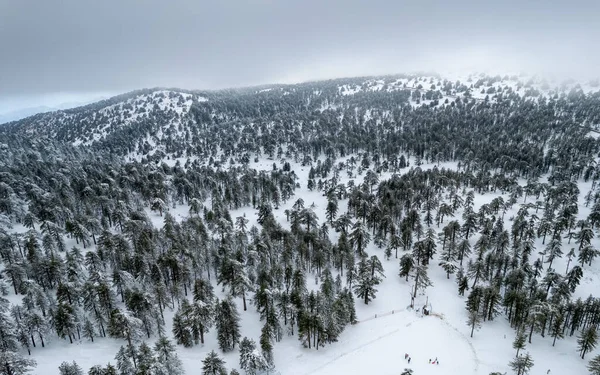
column 408, row 359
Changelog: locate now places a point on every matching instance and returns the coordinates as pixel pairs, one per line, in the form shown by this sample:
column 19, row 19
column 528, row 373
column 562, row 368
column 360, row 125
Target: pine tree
column 251, row 361
column 123, row 325
column 474, row 320
column 12, row 363
column 167, row 361
column 406, row 265
column 73, row 368
column 587, row 340
column 65, row 321
column 124, row 364
column 522, row 364
column 462, row 281
column 181, row 331
column 519, row 341
column 239, row 282
column 145, row 360
column 228, row 324
column 265, row 345
column 96, row 370
column 213, row 365
column 556, row 330
column 594, row 366
column 88, row 330
column 367, row 280
column 110, row 370
column 422, row 280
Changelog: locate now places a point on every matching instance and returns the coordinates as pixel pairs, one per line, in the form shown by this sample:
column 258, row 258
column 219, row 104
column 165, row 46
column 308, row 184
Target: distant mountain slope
column 174, row 123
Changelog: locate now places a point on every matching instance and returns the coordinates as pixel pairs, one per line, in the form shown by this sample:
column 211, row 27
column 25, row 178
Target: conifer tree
column 556, row 330
column 167, row 361
column 522, row 364
column 594, row 366
column 587, row 340
column 251, row 361
column 422, row 280
column 228, row 324
column 89, row 331
column 368, row 277
column 406, row 265
column 181, row 330
column 212, row 364
column 124, row 364
column 13, row 364
column 519, row 341
column 73, row 368
column 145, row 359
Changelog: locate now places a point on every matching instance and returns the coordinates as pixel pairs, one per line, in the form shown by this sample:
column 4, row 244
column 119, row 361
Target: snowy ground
column 381, row 338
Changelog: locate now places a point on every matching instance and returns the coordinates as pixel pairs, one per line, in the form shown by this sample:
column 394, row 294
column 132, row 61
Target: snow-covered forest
column 398, row 225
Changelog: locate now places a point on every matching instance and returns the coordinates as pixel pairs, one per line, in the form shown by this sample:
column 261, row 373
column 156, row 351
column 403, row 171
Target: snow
column 387, row 328
column 379, row 346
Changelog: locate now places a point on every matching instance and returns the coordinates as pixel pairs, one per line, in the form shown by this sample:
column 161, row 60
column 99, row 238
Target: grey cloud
column 88, row 46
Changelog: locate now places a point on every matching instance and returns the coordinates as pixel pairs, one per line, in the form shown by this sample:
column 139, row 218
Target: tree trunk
column 131, row 348
column 531, row 332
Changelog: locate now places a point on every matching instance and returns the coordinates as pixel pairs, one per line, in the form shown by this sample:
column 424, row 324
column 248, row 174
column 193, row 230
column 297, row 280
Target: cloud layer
column 91, row 46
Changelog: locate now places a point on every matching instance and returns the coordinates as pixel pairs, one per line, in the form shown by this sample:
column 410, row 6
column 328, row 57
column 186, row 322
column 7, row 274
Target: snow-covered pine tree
column 123, row 325
column 96, row 370
column 212, row 364
column 587, row 340
column 72, row 368
column 421, row 278
column 124, row 364
column 519, row 341
column 88, row 330
column 228, row 324
column 167, row 361
column 556, row 329
column 368, row 277
column 65, row 321
column 251, row 360
column 406, row 265
column 145, row 359
column 14, row 364
column 594, row 366
column 181, row 330
column 522, row 364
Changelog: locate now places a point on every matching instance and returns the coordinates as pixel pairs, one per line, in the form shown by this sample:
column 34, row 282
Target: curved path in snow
column 453, row 330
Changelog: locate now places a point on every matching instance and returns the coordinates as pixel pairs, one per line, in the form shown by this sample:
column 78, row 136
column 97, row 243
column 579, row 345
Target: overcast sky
column 80, row 48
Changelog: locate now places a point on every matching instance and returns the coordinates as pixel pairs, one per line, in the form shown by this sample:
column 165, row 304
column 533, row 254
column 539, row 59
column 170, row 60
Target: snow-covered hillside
column 326, row 227
column 387, row 328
